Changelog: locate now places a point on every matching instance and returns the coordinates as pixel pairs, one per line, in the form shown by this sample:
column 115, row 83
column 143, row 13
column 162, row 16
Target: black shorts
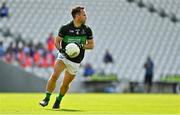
column 148, row 79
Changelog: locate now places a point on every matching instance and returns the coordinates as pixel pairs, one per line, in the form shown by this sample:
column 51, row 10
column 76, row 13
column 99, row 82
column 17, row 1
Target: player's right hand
column 79, row 45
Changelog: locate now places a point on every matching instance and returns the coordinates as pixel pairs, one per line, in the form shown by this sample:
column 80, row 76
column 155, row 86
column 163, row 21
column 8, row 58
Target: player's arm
column 58, row 40
column 89, row 44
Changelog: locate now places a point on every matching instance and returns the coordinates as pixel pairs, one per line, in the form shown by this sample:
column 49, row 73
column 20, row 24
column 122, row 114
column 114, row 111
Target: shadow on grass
column 66, row 110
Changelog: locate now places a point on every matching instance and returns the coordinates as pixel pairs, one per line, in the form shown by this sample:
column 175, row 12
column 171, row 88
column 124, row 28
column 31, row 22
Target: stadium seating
column 130, row 33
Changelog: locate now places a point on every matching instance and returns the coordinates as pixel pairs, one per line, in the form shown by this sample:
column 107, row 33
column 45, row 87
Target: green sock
column 59, row 98
column 48, row 94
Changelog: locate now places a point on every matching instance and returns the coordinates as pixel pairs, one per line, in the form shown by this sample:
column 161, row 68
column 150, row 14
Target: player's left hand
column 62, row 50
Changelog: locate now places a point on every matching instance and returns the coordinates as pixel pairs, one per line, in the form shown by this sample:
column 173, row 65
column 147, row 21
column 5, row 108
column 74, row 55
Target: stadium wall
column 15, row 79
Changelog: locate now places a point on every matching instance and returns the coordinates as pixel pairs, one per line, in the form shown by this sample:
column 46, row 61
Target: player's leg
column 58, row 68
column 149, row 83
column 64, row 88
column 146, row 84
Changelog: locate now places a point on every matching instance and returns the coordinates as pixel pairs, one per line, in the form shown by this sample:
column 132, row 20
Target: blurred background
column 134, row 39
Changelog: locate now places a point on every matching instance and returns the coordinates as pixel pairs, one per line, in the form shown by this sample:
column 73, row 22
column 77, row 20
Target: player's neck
column 77, row 24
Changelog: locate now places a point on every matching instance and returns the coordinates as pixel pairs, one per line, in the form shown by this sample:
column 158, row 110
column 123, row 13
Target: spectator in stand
column 26, row 49
column 43, row 61
column 50, row 59
column 21, row 58
column 11, row 47
column 108, row 58
column 50, row 42
column 88, row 70
column 36, row 57
column 4, row 11
column 10, row 53
column 2, row 50
column 31, row 49
column 107, row 63
column 28, row 60
column 20, row 53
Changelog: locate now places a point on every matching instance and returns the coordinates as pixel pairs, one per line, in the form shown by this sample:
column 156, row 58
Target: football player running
column 74, row 32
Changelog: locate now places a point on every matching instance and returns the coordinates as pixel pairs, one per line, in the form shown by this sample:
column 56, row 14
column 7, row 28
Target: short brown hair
column 76, row 10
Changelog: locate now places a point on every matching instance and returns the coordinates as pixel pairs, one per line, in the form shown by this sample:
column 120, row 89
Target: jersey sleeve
column 89, row 33
column 61, row 32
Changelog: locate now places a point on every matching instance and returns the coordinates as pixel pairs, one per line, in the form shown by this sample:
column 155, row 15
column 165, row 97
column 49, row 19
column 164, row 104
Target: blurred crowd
column 29, row 54
column 23, row 52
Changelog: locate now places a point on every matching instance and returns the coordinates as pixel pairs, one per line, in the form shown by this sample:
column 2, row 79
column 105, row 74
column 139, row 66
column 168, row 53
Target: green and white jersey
column 72, row 34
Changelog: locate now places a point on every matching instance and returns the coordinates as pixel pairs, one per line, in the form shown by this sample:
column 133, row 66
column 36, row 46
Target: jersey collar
column 74, row 25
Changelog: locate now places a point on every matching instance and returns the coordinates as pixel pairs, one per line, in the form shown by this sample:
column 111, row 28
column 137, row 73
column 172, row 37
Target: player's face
column 82, row 17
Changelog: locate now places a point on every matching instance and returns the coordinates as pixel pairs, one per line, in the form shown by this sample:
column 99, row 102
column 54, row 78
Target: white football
column 72, row 50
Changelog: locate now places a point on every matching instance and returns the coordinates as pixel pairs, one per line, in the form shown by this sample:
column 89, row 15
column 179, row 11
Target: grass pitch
column 27, row 103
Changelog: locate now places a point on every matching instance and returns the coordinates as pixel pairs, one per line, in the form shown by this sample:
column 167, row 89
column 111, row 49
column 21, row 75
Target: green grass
column 171, row 78
column 27, row 103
